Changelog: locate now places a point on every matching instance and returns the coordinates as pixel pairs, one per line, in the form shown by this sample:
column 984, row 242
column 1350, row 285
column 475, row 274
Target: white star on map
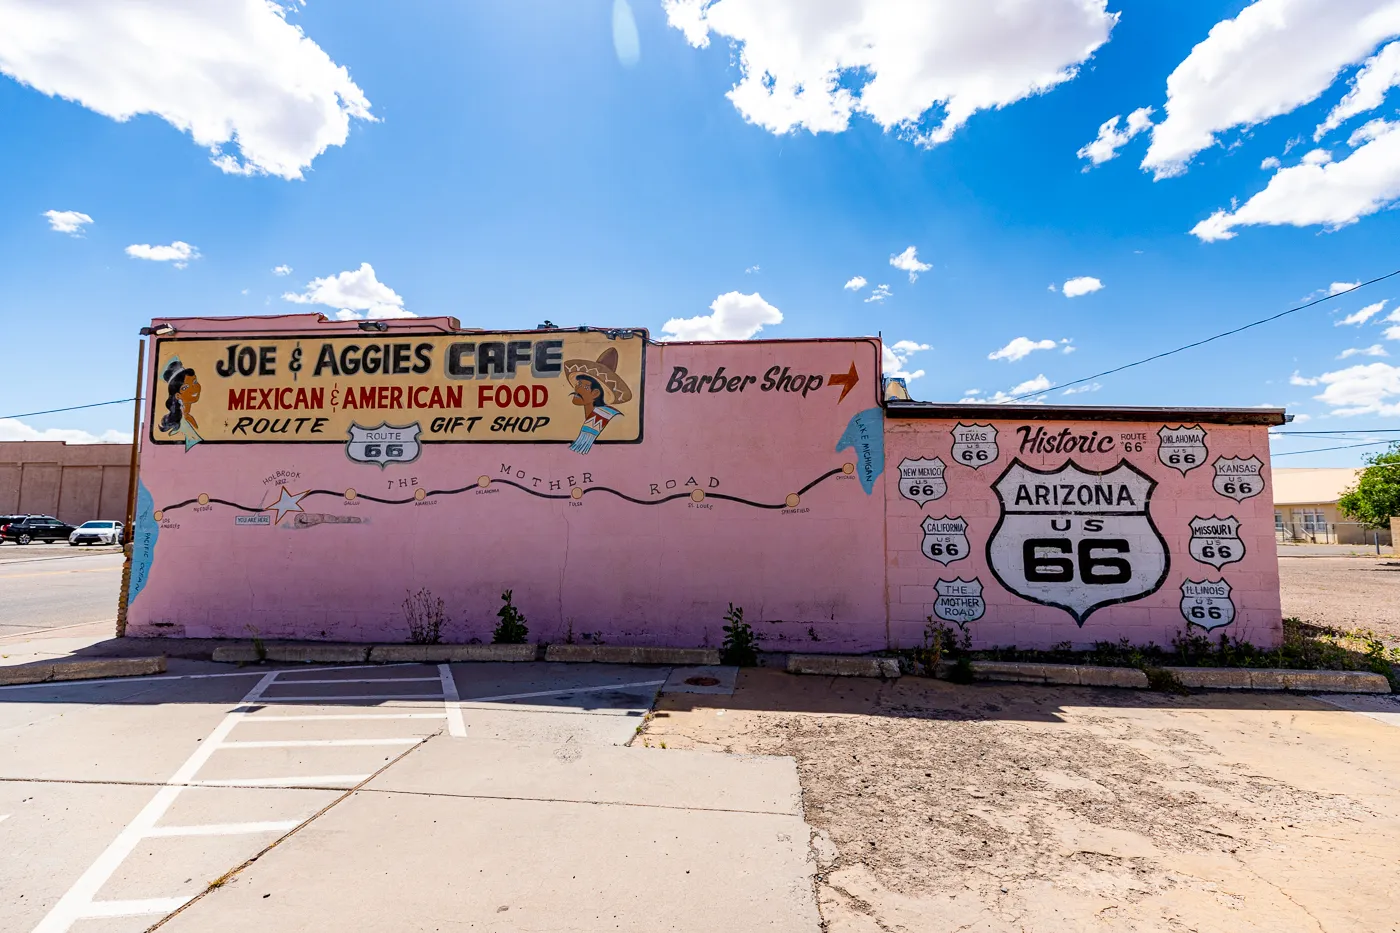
column 287, row 502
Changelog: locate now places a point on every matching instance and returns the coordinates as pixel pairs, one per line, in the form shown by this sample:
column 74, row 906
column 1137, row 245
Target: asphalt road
column 52, row 585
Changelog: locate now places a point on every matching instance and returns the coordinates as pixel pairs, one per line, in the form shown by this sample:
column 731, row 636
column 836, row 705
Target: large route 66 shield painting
column 1077, row 539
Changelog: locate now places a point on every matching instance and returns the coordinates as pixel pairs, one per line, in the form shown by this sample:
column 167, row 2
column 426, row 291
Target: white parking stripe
column 323, row 717
column 323, row 743
column 311, row 780
column 552, row 693
column 79, row 898
column 357, row 680
column 225, row 829
column 452, row 702
column 153, row 905
column 356, row 696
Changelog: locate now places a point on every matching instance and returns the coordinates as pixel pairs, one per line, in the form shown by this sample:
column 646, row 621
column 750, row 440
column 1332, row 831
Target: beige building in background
column 1305, row 507
column 72, row 482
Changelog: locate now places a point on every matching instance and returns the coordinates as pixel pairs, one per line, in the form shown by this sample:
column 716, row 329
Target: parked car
column 31, row 528
column 96, row 533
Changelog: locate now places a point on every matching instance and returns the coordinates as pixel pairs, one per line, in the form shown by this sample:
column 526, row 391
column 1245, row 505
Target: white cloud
column 1111, row 138
column 1368, row 130
column 1082, row 285
column 281, row 270
column 1317, row 157
column 1392, row 332
column 1301, row 418
column 1037, row 385
column 1271, row 162
column 908, row 261
column 878, row 293
column 895, row 357
column 855, row 283
column 355, row 294
column 1020, row 348
column 232, row 73
column 921, row 69
column 1332, row 195
column 733, row 316
column 1080, row 389
column 1378, row 74
column 1362, row 316
column 1299, row 380
column 1336, row 288
column 751, row 270
column 1374, row 349
column 69, row 222
column 1067, row 346
column 1393, row 317
column 12, row 429
column 1272, row 58
column 179, row 253
column 1368, row 389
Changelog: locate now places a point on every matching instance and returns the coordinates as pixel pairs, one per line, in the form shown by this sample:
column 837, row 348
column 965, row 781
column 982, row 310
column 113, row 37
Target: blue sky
column 507, row 163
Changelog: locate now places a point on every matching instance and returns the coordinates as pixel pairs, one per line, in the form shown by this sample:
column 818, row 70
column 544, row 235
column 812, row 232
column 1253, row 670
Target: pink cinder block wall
column 809, row 577
column 1009, row 618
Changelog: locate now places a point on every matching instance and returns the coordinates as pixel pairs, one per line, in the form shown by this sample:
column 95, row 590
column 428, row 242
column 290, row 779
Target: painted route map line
column 789, row 502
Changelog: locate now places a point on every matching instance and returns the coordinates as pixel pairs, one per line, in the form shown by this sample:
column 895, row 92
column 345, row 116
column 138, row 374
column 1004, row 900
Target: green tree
column 1376, row 495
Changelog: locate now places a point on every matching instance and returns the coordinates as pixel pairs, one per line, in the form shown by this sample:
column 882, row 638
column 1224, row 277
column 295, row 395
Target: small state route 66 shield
column 1216, row 541
column 1182, row 448
column 959, row 601
column 1239, row 478
column 1207, row 603
column 922, row 480
column 974, row 445
column 945, row 539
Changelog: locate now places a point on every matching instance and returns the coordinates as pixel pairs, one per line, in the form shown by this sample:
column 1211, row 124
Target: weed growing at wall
column 511, row 629
column 1304, row 647
column 740, row 647
column 425, row 615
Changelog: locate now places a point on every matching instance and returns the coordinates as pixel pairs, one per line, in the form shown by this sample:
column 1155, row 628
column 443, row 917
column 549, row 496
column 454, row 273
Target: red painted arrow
column 846, row 380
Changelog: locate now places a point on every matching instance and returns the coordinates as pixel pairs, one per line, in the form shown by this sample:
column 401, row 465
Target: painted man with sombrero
column 593, row 382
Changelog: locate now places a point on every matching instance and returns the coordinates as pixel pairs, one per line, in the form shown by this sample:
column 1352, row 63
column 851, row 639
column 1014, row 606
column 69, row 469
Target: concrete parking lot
column 487, row 797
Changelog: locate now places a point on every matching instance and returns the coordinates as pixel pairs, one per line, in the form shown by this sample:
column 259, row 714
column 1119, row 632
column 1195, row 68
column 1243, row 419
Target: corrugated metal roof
column 1308, row 485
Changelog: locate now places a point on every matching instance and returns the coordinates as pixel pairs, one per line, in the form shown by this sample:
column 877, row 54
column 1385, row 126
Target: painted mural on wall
column 625, row 489
column 370, row 391
column 1080, row 531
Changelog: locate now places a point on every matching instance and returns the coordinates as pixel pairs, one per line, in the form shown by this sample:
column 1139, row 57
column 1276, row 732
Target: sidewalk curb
column 621, row 654
column 444, row 654
column 307, row 653
column 98, row 668
column 843, row 665
column 1249, row 678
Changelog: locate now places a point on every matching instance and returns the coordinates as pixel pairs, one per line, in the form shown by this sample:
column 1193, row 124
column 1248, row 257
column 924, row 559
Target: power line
column 54, row 411
column 1361, row 432
column 1318, row 450
column 1198, row 343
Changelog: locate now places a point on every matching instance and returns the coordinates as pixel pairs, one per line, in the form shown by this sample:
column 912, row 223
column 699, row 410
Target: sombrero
column 604, row 371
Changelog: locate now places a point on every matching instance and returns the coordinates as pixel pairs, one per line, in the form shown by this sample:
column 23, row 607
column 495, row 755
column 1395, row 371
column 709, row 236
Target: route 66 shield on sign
column 1216, row 541
column 1182, row 448
column 1075, row 538
column 1239, row 478
column 974, row 445
column 945, row 539
column 1207, row 603
column 922, row 480
column 384, row 444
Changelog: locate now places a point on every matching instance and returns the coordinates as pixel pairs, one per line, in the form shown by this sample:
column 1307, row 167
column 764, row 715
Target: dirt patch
column 1343, row 592
column 1012, row 807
